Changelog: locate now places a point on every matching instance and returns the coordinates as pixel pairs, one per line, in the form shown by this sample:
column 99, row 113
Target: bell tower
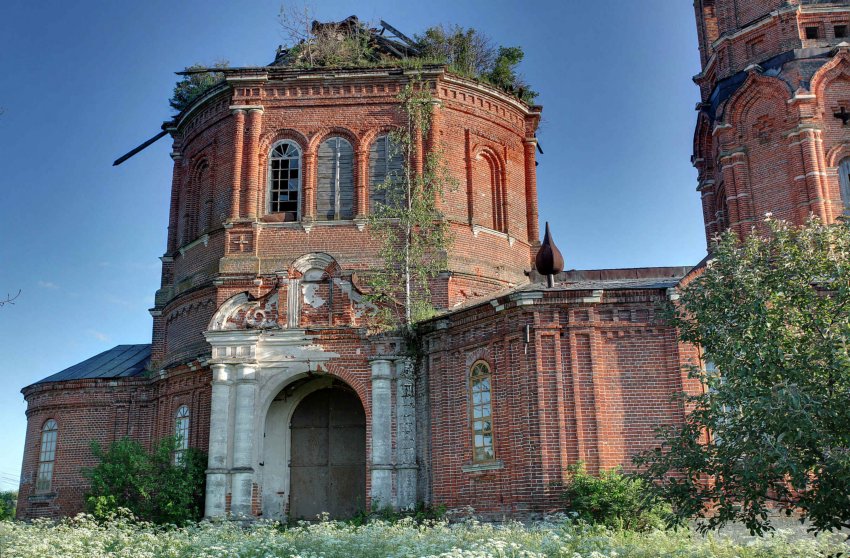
column 773, row 122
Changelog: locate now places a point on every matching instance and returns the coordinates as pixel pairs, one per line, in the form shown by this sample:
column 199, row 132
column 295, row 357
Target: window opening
column 335, row 180
column 386, row 173
column 47, row 456
column 285, row 180
column 482, row 415
column 181, row 432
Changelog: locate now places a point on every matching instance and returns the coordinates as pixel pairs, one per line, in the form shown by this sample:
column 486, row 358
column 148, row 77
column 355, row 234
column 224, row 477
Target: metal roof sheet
column 123, row 361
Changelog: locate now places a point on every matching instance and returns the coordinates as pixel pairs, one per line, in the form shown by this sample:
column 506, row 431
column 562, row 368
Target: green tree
column 8, row 504
column 772, row 316
column 197, row 80
column 155, row 486
column 410, row 225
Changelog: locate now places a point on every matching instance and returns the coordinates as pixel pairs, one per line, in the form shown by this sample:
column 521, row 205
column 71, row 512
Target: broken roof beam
column 132, row 152
column 400, row 35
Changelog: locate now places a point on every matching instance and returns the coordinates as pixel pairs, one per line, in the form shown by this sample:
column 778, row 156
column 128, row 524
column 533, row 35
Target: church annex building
column 260, row 355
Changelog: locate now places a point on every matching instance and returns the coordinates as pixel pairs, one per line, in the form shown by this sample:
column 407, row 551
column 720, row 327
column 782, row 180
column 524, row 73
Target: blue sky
column 83, row 82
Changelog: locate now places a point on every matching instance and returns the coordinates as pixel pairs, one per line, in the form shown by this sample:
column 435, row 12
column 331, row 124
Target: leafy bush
column 154, row 486
column 772, row 316
column 471, row 54
column 8, row 504
column 82, row 537
column 195, row 84
column 614, row 500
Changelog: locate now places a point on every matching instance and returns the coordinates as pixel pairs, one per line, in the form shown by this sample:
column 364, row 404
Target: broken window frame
column 285, row 150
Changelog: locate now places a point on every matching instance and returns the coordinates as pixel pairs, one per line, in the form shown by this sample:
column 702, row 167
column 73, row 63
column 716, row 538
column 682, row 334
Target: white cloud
column 98, row 335
column 48, row 285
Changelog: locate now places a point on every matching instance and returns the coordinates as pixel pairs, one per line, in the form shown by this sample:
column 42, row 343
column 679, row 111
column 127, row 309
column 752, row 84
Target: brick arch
column 838, row 66
column 331, row 132
column 756, row 91
column 498, row 186
column 704, row 142
column 314, row 260
column 368, row 138
column 838, row 153
column 269, row 140
column 354, row 383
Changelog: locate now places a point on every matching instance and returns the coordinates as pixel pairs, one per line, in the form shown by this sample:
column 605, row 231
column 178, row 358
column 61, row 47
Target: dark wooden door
column 328, row 467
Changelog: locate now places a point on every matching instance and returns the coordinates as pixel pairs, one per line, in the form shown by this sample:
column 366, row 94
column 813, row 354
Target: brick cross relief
column 241, row 243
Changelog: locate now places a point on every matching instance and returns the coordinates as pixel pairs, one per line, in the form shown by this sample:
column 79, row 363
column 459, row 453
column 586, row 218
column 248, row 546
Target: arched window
column 47, row 456
column 285, row 180
column 335, row 180
column 844, row 180
column 482, row 416
column 721, row 211
column 386, row 173
column 181, row 432
column 189, row 219
column 203, row 186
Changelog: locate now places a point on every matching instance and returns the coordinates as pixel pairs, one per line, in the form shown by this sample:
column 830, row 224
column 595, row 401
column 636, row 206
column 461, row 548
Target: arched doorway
column 328, row 455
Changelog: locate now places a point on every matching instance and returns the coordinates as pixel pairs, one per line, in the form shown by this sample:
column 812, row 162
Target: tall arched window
column 721, row 211
column 285, row 180
column 386, row 173
column 844, row 180
column 482, row 415
column 47, row 456
column 205, row 195
column 335, row 180
column 181, row 432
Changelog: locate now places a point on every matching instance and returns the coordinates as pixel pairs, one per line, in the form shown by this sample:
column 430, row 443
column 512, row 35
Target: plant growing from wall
column 413, row 233
column 153, row 485
column 352, row 43
column 772, row 316
column 196, row 81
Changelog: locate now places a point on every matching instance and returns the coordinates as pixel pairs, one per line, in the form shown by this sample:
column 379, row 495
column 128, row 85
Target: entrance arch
column 314, row 451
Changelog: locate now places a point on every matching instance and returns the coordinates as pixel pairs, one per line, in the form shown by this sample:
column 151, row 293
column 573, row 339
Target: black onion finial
column 549, row 261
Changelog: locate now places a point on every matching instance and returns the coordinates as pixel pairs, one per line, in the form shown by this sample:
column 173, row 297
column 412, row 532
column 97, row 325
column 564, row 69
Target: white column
column 405, row 399
column 382, row 468
column 217, row 471
column 243, row 441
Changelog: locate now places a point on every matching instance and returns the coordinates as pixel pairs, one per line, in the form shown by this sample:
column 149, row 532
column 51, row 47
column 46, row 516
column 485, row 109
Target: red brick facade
column 774, row 75
column 255, row 307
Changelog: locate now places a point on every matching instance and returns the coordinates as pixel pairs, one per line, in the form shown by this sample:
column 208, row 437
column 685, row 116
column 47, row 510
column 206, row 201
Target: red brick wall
column 773, row 145
column 592, row 385
column 103, row 411
column 358, row 109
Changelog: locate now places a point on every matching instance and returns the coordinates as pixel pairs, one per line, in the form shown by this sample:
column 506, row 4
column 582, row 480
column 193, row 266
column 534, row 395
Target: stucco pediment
column 242, row 311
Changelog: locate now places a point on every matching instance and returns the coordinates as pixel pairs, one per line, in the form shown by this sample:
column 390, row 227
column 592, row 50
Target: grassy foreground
column 82, row 537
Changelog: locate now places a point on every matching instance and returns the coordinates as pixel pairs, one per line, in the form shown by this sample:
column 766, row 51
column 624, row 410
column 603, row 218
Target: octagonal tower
column 773, row 130
column 276, row 163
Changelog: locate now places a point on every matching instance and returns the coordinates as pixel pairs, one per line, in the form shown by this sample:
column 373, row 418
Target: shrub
column 195, row 83
column 614, row 500
column 154, row 486
column 8, row 504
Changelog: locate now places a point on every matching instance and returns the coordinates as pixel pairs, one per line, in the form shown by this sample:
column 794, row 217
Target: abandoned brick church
column 259, row 354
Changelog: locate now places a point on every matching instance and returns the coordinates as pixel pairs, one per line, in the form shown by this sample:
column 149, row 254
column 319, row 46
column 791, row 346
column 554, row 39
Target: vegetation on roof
column 195, row 82
column 351, row 43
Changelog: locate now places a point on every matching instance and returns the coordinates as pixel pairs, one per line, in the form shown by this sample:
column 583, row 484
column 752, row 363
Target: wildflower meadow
column 83, row 537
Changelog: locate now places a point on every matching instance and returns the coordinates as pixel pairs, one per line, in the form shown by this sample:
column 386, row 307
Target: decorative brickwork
column 257, row 309
column 770, row 137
